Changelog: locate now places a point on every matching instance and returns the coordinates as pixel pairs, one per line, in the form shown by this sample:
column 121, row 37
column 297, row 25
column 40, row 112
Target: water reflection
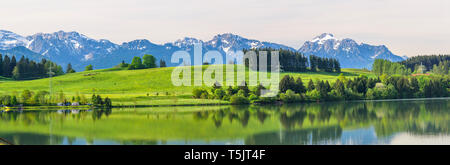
column 374, row 122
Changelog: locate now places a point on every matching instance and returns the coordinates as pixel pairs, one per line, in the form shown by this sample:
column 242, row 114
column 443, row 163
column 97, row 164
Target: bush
column 204, row 95
column 226, row 98
column 313, row 95
column 265, row 100
column 239, row 100
column 290, row 96
column 373, row 94
column 219, row 93
column 334, row 95
column 199, row 93
column 390, row 92
column 253, row 97
column 351, row 95
column 242, row 93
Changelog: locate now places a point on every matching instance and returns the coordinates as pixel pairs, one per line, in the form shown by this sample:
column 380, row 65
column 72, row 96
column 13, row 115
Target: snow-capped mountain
column 230, row 42
column 349, row 53
column 80, row 50
column 10, row 40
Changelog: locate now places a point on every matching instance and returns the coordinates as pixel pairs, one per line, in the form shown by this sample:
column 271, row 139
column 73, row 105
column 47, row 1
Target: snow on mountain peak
column 347, row 51
column 10, row 40
column 323, row 37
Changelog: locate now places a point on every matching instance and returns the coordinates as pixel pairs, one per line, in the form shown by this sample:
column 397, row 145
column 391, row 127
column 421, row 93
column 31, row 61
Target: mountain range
column 80, row 50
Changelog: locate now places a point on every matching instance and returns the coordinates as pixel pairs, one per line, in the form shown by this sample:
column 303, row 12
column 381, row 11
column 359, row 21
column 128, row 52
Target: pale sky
column 406, row 27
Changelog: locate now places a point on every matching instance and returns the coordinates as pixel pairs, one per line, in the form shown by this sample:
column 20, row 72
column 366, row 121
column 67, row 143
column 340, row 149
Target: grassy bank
column 138, row 87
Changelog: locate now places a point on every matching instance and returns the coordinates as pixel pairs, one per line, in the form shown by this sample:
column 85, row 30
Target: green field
column 138, row 87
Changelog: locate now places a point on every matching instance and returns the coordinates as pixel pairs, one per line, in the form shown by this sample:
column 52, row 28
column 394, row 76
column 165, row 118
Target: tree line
column 26, row 69
column 382, row 66
column 437, row 64
column 42, row 97
column 291, row 61
column 358, row 88
column 147, row 61
column 426, row 60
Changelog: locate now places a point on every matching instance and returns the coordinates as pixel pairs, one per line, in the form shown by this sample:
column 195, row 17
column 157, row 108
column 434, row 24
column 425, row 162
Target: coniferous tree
column 286, row 83
column 12, row 65
column 414, row 85
column 299, row 87
column 69, row 69
column 327, row 86
column 339, row 87
column 162, row 63
column 5, row 66
column 311, row 85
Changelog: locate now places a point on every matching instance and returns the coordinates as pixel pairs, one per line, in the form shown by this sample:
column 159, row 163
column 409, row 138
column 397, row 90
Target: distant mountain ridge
column 349, row 53
column 80, row 50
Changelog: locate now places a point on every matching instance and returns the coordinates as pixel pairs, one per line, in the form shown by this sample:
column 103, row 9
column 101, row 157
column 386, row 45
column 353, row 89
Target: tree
column 390, row 92
column 149, row 61
column 16, row 73
column 322, row 88
column 381, row 66
column 5, row 67
column 311, row 85
column 136, row 63
column 89, row 67
column 287, row 82
column 337, row 66
column 108, row 103
column 94, row 99
column 426, row 62
column 403, row 87
column 131, row 67
column 299, row 87
column 244, row 88
column 327, row 86
column 123, row 64
column 14, row 101
column 99, row 100
column 162, row 63
column 414, row 84
column 12, row 65
column 339, row 87
column 259, row 88
column 313, row 63
column 70, row 69
column 26, row 96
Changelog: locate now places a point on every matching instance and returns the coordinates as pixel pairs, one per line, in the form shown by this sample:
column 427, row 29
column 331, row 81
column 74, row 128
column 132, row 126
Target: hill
column 138, row 87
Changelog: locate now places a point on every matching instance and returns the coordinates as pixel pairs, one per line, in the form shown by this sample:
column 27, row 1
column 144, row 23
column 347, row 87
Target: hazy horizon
column 406, row 27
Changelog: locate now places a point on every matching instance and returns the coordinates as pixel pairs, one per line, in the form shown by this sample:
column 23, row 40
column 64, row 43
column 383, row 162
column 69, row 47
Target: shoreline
column 217, row 104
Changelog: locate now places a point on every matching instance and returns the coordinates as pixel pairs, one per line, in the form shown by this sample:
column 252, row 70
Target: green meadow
column 149, row 87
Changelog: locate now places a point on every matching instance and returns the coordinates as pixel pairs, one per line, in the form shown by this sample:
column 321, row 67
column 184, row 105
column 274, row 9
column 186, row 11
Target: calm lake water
column 364, row 122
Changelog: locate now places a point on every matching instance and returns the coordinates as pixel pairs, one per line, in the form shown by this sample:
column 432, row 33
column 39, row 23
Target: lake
column 424, row 121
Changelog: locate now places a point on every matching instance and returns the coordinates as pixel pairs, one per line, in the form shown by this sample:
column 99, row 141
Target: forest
column 393, row 81
column 359, row 88
column 291, row 61
column 429, row 61
column 26, row 69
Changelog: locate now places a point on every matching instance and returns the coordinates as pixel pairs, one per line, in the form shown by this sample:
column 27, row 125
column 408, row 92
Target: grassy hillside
column 130, row 87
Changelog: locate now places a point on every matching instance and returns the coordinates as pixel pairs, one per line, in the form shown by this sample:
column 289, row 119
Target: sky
column 406, row 27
